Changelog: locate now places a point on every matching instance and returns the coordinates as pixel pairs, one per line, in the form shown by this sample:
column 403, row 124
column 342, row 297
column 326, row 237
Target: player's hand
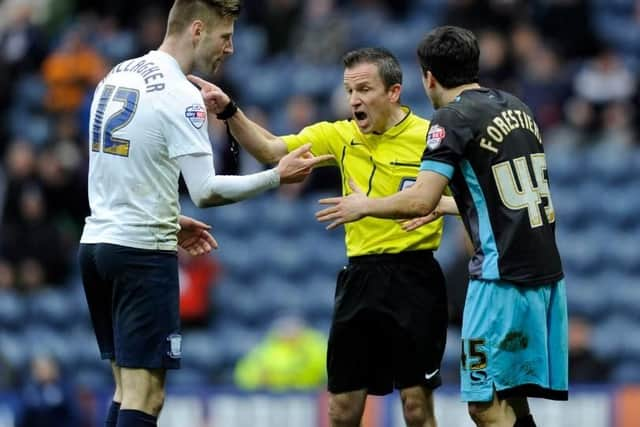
column 298, row 164
column 194, row 236
column 215, row 100
column 343, row 209
column 413, row 223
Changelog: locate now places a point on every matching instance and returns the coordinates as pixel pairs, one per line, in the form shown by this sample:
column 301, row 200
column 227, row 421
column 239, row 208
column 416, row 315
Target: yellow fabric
column 380, row 165
column 281, row 364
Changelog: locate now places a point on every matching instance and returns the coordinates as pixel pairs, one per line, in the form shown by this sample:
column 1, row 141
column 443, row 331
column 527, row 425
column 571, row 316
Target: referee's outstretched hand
column 298, row 164
column 344, row 209
column 215, row 100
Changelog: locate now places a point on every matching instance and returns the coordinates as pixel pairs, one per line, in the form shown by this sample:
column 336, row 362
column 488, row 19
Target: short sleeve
column 184, row 122
column 323, row 136
column 447, row 138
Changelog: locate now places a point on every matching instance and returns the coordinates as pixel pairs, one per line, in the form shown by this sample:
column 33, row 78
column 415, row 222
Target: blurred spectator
column 33, row 243
column 584, row 366
column 20, row 163
column 477, row 14
column 151, row 28
column 7, row 275
column 554, row 17
column 22, row 44
column 61, row 175
column 198, row 275
column 605, row 79
column 496, row 68
column 544, row 86
column 301, row 111
column 578, row 126
column 617, row 123
column 291, row 356
column 70, row 71
column 47, row 398
column 321, row 34
column 114, row 43
column 279, row 18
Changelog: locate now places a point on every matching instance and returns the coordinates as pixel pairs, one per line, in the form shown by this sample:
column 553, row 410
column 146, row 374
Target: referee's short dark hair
column 388, row 65
column 451, row 54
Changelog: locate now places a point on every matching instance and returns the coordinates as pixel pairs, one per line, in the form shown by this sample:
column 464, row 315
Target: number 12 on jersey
column 103, row 135
column 527, row 196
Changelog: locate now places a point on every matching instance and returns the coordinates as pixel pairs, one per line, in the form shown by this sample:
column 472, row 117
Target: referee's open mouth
column 361, row 118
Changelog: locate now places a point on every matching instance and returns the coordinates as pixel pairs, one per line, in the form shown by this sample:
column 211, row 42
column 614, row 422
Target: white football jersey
column 144, row 114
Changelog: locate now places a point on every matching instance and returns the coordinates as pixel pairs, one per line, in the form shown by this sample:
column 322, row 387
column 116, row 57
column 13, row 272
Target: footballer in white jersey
column 149, row 124
column 144, row 115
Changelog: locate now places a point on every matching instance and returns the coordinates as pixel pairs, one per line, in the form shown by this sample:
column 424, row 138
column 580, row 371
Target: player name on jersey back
column 148, row 70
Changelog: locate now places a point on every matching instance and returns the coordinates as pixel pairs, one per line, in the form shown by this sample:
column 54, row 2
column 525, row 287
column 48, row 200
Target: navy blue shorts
column 133, row 297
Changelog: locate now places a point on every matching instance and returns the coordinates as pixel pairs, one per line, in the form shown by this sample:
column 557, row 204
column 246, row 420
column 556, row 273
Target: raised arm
column 259, row 142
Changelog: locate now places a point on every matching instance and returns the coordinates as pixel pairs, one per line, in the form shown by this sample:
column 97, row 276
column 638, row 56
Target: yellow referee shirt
column 381, row 165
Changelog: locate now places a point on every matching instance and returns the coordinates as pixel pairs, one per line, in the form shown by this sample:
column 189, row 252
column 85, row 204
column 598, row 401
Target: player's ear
column 197, row 28
column 394, row 92
column 431, row 80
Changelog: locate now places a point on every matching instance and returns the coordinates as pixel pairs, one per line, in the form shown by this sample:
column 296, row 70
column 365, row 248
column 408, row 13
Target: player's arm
column 208, row 189
column 259, row 142
column 418, row 200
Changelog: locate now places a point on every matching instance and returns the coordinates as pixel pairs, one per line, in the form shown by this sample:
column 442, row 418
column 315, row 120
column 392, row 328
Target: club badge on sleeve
column 196, row 114
column 435, row 136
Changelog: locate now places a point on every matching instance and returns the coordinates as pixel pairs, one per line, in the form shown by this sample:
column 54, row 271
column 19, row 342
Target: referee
column 390, row 318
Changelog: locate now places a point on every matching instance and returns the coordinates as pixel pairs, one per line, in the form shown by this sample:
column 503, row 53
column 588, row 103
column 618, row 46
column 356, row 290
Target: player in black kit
column 486, row 146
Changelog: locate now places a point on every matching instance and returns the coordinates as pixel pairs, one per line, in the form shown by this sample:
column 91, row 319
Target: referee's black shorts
column 389, row 324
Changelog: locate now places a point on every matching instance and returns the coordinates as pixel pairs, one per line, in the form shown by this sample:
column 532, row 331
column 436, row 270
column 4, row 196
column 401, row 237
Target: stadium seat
column 609, row 163
column 202, row 351
column 13, row 311
column 188, row 377
column 581, row 252
column 318, row 296
column 565, row 165
column 315, row 80
column 272, row 86
column 622, row 252
column 609, row 338
column 588, row 296
column 624, row 293
column 94, row 378
column 51, row 307
column 13, row 349
column 46, row 340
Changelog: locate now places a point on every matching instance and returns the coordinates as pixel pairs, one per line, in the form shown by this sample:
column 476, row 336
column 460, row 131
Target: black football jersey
column 488, row 145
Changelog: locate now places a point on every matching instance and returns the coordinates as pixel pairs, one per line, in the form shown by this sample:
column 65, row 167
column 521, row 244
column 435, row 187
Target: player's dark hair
column 451, row 54
column 183, row 12
column 388, row 65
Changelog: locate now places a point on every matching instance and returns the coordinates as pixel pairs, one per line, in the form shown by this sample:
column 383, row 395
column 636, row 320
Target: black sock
column 112, row 415
column 133, row 418
column 525, row 422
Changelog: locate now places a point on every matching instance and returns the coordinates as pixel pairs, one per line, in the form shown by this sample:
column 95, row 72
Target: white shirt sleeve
column 184, row 122
column 208, row 189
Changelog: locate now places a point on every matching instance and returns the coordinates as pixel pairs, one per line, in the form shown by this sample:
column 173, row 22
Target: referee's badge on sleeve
column 196, row 114
column 435, row 136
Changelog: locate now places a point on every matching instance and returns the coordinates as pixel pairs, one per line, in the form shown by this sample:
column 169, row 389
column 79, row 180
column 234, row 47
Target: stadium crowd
column 576, row 63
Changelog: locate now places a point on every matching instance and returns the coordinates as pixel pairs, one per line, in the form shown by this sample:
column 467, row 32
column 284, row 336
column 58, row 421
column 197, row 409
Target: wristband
column 228, row 111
